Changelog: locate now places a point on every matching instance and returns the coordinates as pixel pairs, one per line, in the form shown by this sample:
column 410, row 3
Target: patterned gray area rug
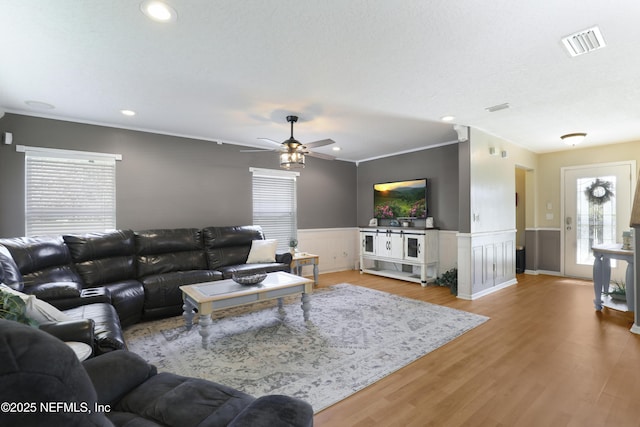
column 355, row 337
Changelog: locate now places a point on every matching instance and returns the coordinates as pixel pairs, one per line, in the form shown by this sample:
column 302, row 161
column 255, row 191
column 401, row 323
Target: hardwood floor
column 546, row 358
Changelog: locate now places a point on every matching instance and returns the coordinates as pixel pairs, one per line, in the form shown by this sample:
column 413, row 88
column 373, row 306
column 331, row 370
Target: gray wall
column 165, row 181
column 438, row 165
column 543, row 250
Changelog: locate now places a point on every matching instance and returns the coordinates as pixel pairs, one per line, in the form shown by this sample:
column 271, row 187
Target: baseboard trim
column 547, row 272
column 491, row 290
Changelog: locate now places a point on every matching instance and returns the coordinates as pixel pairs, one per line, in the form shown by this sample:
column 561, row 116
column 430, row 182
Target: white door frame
column 563, row 215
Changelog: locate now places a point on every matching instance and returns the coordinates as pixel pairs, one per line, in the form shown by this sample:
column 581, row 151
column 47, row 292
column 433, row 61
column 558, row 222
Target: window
column 69, row 191
column 275, row 205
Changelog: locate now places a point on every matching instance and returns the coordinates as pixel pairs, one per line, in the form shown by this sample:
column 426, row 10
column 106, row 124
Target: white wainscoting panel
column 338, row 248
column 487, row 264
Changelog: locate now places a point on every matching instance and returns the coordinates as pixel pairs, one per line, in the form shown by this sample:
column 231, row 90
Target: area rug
column 355, row 337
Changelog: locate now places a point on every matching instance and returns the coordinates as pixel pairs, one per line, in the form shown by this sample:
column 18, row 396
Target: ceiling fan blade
column 258, row 150
column 271, row 141
column 320, row 143
column 319, row 155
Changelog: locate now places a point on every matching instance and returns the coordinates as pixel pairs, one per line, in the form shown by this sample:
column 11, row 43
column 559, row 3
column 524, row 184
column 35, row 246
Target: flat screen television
column 400, row 199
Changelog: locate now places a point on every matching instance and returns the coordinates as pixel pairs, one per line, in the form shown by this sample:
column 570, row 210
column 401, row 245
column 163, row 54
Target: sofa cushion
column 103, row 257
column 11, row 275
column 127, row 296
column 42, row 260
column 127, row 368
column 168, row 240
column 162, row 290
column 226, row 246
column 171, row 262
column 108, row 331
column 262, row 251
column 51, row 291
column 167, row 250
column 174, row 400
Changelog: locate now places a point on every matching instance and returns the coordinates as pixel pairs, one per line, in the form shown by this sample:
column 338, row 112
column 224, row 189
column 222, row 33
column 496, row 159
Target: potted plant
column 293, row 244
column 618, row 290
column 12, row 307
column 450, row 279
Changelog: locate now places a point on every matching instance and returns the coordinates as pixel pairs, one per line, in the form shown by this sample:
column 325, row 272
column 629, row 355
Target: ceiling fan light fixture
column 292, row 160
column 573, row 139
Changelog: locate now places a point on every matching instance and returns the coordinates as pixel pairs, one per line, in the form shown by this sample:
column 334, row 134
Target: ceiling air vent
column 584, row 41
column 498, row 107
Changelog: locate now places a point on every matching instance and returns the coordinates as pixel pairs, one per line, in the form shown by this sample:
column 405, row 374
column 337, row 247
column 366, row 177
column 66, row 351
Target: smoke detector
column 584, row 41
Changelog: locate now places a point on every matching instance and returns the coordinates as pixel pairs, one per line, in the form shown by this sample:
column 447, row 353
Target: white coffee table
column 208, row 297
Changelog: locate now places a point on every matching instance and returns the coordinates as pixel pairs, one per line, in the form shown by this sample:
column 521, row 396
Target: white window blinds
column 275, row 205
column 69, row 191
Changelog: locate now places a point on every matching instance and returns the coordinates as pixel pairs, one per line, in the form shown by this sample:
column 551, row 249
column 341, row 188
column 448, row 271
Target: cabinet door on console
column 368, row 242
column 413, row 247
column 390, row 245
column 397, row 245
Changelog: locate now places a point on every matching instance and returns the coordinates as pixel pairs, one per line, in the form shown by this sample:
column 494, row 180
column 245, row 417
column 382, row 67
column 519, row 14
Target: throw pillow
column 262, row 251
column 38, row 310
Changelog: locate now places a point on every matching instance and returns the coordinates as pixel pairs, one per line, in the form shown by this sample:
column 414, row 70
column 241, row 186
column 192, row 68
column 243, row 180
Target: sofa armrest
column 116, row 373
column 55, row 290
column 71, row 330
column 275, row 410
column 284, row 258
column 87, row 296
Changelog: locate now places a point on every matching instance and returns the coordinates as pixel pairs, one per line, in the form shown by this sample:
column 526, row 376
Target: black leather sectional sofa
column 122, row 277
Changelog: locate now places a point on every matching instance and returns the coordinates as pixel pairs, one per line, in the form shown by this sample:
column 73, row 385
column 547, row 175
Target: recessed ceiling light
column 128, row 112
column 447, row 118
column 336, row 148
column 39, row 104
column 158, row 11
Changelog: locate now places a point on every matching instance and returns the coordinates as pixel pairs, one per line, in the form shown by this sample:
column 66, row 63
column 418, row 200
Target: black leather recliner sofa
column 119, row 278
column 44, row 384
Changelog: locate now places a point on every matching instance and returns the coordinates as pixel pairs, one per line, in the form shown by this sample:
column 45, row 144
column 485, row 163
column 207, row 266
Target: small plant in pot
column 450, row 279
column 293, row 245
column 618, row 290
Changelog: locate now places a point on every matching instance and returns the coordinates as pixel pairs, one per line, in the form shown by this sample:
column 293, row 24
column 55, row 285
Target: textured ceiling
column 375, row 76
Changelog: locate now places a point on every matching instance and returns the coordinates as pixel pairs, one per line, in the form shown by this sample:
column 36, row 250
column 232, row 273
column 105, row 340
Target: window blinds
column 69, row 192
column 275, row 205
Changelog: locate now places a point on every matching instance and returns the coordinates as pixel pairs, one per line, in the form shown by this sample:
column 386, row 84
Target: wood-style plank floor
column 546, row 358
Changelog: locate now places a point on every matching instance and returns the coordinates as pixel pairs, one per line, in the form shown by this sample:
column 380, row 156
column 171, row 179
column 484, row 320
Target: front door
column 597, row 208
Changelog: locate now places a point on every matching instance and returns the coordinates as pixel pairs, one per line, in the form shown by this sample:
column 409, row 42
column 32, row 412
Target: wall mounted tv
column 400, row 199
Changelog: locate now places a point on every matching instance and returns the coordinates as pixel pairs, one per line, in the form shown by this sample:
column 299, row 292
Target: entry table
column 301, row 259
column 602, row 272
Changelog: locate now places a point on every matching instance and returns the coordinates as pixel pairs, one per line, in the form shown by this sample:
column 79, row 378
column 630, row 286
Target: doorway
column 521, row 210
column 596, row 208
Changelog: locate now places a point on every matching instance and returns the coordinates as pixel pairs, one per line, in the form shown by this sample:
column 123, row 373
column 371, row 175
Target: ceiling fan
column 292, row 151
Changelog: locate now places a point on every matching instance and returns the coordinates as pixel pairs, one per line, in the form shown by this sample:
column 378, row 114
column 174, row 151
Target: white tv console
column 403, row 253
